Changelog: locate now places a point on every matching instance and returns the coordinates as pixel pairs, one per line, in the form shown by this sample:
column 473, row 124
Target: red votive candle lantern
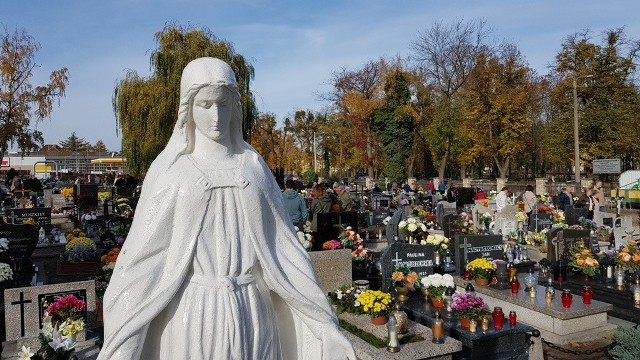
column 498, row 318
column 587, row 295
column 567, row 298
column 515, row 286
column 513, row 318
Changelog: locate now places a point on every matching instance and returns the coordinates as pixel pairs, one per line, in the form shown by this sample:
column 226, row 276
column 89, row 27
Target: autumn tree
column 21, row 102
column 446, row 55
column 500, row 100
column 146, row 108
column 357, row 94
column 99, row 147
column 609, row 102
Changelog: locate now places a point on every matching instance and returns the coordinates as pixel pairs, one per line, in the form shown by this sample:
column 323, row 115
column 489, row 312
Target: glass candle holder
column 587, row 295
column 498, row 318
column 567, row 298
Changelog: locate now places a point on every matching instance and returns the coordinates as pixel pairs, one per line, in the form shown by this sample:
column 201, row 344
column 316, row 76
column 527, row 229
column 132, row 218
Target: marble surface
column 554, row 309
column 417, row 350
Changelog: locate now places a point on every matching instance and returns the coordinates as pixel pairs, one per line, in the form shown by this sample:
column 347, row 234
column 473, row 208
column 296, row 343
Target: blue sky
column 294, row 45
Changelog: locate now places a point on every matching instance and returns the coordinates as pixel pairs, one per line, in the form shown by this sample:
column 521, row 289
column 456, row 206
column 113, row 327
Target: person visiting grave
column 212, row 267
column 588, row 201
column 502, row 199
column 565, row 197
column 599, row 195
column 346, row 201
column 296, row 205
column 321, row 203
column 530, row 201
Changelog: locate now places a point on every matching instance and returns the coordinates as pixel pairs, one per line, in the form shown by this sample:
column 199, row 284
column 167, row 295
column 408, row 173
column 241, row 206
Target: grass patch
column 374, row 340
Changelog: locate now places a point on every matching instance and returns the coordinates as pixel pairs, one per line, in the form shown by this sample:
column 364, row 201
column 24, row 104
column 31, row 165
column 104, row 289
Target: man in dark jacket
column 565, row 197
column 295, row 204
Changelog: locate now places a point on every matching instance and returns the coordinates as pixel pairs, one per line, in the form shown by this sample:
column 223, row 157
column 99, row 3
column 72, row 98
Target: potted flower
column 435, row 286
column 521, row 216
column 376, row 304
column 345, row 299
column 467, row 306
column 439, row 242
column 480, row 270
column 413, row 228
column 79, row 257
column 603, row 232
column 464, row 224
column 629, row 257
column 583, row 261
column 103, row 196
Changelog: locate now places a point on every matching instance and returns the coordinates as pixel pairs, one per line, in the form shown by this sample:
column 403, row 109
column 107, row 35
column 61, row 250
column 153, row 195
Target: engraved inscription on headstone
column 22, row 239
column 40, row 215
column 569, row 239
column 418, row 258
column 572, row 214
column 470, row 247
column 541, row 221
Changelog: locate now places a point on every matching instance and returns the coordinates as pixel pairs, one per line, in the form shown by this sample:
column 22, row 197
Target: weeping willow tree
column 146, row 108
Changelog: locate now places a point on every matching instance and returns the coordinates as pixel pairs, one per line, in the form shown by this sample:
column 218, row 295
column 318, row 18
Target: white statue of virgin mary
column 212, row 258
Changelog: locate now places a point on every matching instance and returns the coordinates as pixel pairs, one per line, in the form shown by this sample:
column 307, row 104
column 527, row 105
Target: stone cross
column 396, row 260
column 12, row 217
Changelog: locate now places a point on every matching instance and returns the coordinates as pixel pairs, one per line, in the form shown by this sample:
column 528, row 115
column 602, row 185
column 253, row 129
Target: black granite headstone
column 445, row 208
column 22, row 239
column 569, row 239
column 541, row 221
column 329, row 225
column 594, row 246
column 572, row 214
column 41, row 216
column 607, row 221
column 418, row 258
column 377, row 217
column 470, row 247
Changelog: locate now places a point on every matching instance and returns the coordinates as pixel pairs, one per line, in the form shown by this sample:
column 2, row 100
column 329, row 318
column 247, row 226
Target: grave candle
column 567, row 298
column 498, row 318
column 437, row 328
column 512, row 318
column 636, row 292
column 587, row 295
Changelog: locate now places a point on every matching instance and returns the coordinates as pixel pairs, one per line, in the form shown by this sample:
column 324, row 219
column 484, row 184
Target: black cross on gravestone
column 21, row 303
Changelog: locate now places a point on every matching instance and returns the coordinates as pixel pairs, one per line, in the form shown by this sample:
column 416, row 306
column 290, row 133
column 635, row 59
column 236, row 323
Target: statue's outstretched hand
column 335, row 346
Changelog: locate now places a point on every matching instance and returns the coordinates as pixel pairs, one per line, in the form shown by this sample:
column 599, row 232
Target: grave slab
column 333, row 268
column 417, row 350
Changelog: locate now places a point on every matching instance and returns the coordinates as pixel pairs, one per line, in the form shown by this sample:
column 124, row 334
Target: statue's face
column 212, row 112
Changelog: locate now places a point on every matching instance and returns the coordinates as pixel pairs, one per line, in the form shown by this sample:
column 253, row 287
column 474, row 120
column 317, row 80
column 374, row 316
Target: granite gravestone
column 86, row 194
column 470, row 247
column 541, row 221
column 443, row 209
column 572, row 214
column 22, row 239
column 418, row 258
column 569, row 239
column 329, row 224
column 449, row 226
column 377, row 217
column 23, row 307
column 477, row 211
column 40, row 215
column 553, row 244
column 392, row 228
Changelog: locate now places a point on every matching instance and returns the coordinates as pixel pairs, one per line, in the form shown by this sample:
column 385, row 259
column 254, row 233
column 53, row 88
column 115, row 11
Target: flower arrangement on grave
column 332, row 245
column 584, row 261
column 104, row 196
column 542, row 198
column 404, row 277
column 439, row 242
column 603, row 231
column 629, row 257
column 469, row 306
column 520, row 205
column 352, row 240
column 560, row 225
column 413, row 227
column 558, row 216
column 436, row 284
column 80, row 249
column 346, row 299
column 464, row 224
column 544, row 209
column 386, row 221
column 480, row 268
column 486, row 218
column 587, row 224
column 123, row 207
column 375, row 303
column 62, row 321
column 419, row 211
column 538, row 237
column 5, row 272
column 109, row 261
column 485, row 203
column 304, row 238
column 521, row 216
column 67, row 192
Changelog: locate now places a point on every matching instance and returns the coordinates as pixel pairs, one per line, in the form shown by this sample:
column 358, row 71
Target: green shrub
column 627, row 344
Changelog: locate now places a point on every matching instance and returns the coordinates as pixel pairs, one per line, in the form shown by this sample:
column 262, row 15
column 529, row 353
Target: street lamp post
column 576, row 137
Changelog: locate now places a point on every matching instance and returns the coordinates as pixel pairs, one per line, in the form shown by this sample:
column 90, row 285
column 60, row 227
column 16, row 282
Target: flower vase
column 437, row 302
column 481, row 282
column 486, row 225
column 403, row 293
column 465, row 323
column 379, row 320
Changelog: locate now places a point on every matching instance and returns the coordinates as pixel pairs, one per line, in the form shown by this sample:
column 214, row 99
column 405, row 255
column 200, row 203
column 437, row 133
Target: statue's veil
column 197, row 74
